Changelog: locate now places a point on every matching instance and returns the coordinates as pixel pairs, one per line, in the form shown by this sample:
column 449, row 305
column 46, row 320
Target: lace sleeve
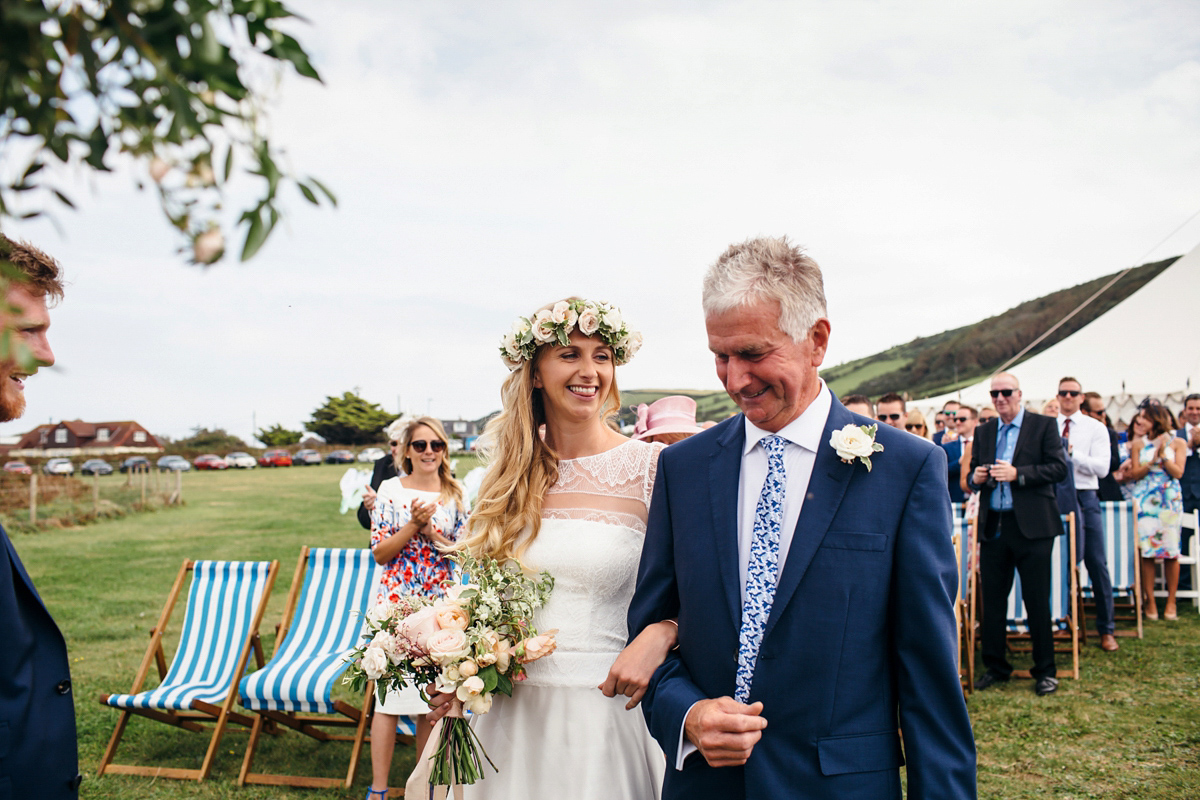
column 612, row 487
column 652, row 471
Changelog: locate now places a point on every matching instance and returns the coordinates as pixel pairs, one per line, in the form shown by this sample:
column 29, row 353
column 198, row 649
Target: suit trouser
column 1095, row 559
column 998, row 557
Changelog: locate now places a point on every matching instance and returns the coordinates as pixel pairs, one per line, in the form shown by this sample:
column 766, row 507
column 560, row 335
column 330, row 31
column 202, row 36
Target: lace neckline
column 598, row 455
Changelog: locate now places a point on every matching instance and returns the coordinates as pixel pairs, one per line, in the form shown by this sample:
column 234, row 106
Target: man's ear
column 818, row 334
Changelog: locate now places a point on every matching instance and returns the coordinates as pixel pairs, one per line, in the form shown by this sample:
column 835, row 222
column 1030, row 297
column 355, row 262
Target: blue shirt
column 1006, row 443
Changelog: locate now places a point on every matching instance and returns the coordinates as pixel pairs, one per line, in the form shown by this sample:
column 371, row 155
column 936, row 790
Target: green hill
column 931, row 365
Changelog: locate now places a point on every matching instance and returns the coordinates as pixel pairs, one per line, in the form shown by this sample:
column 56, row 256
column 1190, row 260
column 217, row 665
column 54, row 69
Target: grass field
column 1129, row 728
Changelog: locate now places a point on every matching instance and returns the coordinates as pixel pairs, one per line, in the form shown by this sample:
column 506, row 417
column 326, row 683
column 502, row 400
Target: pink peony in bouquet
column 472, row 643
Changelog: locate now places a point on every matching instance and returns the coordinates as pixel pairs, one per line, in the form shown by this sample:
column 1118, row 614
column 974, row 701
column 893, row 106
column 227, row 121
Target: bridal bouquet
column 471, row 643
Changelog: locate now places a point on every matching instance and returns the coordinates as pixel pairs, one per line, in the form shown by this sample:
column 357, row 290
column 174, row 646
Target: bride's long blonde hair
column 521, row 466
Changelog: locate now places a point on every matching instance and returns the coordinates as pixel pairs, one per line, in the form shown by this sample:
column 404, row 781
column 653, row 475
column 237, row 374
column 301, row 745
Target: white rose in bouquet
column 447, row 646
column 374, row 662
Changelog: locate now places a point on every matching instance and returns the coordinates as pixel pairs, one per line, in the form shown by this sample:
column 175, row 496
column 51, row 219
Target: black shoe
column 989, row 680
column 1046, row 686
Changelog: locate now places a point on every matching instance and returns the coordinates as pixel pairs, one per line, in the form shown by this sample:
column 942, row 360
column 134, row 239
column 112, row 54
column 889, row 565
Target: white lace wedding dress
column 558, row 737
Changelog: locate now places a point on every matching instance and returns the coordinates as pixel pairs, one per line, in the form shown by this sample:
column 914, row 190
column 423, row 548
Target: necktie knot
column 774, row 445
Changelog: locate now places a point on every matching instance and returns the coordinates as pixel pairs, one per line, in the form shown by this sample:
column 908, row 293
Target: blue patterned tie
column 763, row 568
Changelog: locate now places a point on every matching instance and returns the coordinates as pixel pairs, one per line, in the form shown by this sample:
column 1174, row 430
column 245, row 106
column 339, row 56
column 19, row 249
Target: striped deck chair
column 964, row 538
column 1124, row 566
column 1064, row 602
column 322, row 623
column 220, row 629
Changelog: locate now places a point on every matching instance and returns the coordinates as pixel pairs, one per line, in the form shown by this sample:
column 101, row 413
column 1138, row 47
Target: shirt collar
column 1016, row 422
column 1076, row 417
column 805, row 430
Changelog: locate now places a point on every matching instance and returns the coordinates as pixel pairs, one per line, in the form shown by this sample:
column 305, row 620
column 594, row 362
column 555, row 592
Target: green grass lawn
column 1129, row 728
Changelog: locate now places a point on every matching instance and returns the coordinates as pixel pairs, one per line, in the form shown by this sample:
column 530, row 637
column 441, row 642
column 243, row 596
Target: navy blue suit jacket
column 38, row 751
column 954, row 451
column 861, row 640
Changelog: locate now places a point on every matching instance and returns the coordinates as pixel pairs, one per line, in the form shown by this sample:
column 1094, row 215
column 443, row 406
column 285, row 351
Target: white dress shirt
column 803, row 435
column 1090, row 450
column 1187, row 437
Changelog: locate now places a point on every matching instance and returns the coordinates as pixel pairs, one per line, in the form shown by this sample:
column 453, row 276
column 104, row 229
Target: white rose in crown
column 856, row 441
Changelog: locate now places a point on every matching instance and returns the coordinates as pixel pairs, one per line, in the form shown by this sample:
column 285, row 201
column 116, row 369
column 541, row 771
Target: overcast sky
column 942, row 161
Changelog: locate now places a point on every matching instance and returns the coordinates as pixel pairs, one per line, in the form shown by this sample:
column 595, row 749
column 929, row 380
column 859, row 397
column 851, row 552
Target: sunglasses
column 394, row 444
column 1068, row 393
column 886, row 417
column 912, row 427
column 437, row 445
column 1001, row 393
column 963, row 418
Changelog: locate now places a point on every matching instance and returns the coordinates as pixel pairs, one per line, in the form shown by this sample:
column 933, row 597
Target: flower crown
column 555, row 324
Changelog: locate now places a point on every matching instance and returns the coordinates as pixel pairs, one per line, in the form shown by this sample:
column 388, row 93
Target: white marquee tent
column 1147, row 345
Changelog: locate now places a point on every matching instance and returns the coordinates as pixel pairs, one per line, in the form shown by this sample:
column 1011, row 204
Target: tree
column 216, row 440
column 168, row 84
column 278, row 436
column 350, row 419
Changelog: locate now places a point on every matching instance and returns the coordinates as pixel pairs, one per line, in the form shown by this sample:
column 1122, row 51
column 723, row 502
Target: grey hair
column 768, row 268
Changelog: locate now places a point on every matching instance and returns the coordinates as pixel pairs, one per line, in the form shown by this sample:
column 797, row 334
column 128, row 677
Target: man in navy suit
column 1190, row 433
column 814, row 594
column 38, row 752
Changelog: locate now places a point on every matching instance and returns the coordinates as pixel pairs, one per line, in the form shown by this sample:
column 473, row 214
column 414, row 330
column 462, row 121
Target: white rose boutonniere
column 856, row 441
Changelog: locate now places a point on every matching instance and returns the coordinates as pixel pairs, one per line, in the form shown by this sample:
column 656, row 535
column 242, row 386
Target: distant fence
column 39, row 501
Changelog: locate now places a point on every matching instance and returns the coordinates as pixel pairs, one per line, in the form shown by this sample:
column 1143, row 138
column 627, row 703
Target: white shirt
column 1187, row 437
column 803, row 435
column 1090, row 449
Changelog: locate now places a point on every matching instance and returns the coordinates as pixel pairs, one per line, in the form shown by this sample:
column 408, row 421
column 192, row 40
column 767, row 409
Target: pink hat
column 674, row 414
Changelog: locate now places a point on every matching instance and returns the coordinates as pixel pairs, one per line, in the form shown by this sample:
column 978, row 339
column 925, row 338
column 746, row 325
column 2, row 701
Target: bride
column 572, row 501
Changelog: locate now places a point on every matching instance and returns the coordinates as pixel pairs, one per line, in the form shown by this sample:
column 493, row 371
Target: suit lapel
column 724, row 477
column 1023, row 435
column 826, row 487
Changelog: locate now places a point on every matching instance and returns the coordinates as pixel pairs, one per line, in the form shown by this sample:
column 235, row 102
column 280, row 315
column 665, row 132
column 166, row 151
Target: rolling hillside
column 931, row 365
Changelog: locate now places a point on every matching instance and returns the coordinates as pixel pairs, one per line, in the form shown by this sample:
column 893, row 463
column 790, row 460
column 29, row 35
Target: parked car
column 135, row 463
column 306, row 457
column 173, row 464
column 371, row 454
column 21, row 468
column 340, row 457
column 210, row 461
column 240, row 460
column 275, row 458
column 95, row 466
column 59, row 466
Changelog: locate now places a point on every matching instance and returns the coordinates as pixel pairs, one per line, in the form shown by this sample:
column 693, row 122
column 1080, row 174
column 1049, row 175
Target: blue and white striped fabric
column 1120, row 546
column 221, row 606
column 339, row 585
column 1060, row 592
column 962, row 526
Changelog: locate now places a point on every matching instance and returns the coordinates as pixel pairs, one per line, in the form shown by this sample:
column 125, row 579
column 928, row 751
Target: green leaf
column 325, row 190
column 490, row 678
column 504, row 685
column 228, row 162
column 255, row 236
column 308, row 194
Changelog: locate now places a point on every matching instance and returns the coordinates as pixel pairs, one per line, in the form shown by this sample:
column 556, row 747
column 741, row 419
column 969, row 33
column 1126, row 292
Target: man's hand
column 1194, row 441
column 1004, row 472
column 368, row 500
column 724, row 730
column 980, row 476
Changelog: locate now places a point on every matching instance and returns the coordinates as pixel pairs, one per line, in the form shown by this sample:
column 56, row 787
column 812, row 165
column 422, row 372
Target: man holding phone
column 1016, row 460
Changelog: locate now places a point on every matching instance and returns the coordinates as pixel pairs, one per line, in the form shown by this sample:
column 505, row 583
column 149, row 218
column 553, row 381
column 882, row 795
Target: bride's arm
column 630, row 674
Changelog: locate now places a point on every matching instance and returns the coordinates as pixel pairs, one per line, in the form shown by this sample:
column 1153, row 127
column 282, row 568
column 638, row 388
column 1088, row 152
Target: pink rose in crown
column 417, row 627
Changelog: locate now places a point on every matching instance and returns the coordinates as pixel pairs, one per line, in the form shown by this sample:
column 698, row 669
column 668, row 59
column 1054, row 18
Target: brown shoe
column 1108, row 643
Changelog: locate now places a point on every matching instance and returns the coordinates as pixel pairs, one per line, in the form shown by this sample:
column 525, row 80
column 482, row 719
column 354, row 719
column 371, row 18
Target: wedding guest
column 1018, row 523
column 1088, row 447
column 986, row 414
column 38, row 747
column 1093, row 406
column 958, row 450
column 1051, row 408
column 1158, row 460
column 385, row 468
column 1190, row 482
column 914, row 423
column 415, row 518
column 890, row 410
column 859, row 404
column 667, row 420
column 944, row 421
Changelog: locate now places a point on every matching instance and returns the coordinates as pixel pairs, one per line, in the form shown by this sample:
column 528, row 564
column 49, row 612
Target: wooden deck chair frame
column 199, row 711
column 344, row 715
column 964, row 608
column 1066, row 640
column 1127, row 599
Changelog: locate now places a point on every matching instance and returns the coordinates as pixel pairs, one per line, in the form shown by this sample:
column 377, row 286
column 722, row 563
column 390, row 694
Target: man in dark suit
column 814, row 596
column 385, row 467
column 1110, row 490
column 1190, row 433
column 38, row 750
column 1016, row 461
column 960, row 429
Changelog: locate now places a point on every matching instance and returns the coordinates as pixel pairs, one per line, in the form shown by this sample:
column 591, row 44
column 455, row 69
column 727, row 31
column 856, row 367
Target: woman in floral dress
column 415, row 518
column 1156, row 463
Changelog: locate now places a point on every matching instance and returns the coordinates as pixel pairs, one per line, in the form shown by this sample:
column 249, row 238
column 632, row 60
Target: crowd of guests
column 1153, row 459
